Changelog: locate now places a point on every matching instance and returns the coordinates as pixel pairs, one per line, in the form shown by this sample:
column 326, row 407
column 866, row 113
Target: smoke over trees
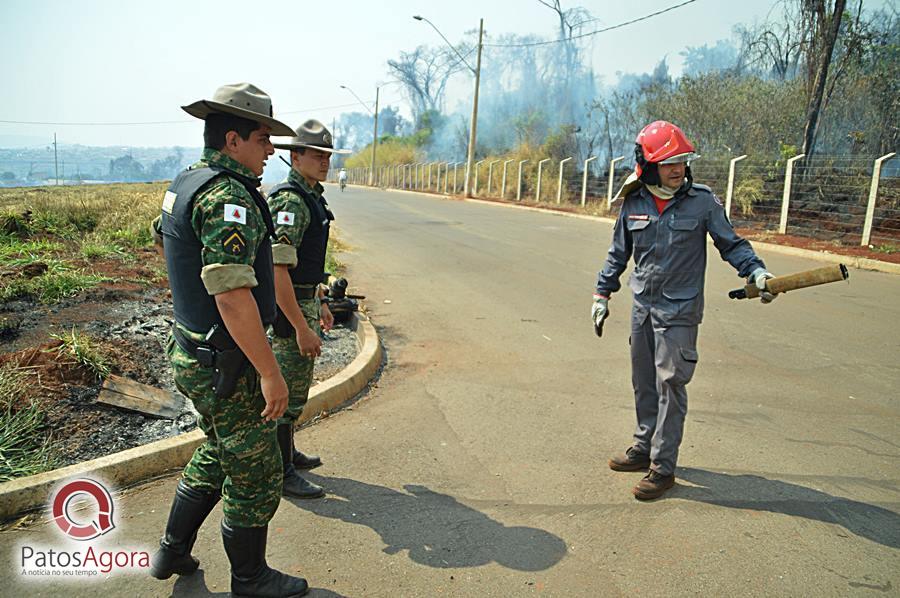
column 817, row 76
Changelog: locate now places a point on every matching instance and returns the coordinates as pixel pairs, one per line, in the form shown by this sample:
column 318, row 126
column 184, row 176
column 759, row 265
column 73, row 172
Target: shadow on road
column 757, row 493
column 436, row 529
column 195, row 587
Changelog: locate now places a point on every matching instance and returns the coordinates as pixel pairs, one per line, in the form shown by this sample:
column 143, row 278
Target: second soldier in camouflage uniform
column 217, row 229
column 302, row 223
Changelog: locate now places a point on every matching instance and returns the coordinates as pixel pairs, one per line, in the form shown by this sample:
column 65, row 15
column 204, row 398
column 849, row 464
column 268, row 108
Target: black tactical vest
column 310, row 268
column 195, row 309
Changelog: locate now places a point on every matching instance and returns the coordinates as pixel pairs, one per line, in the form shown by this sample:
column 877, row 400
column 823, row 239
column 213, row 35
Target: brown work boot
column 653, row 486
column 630, row 460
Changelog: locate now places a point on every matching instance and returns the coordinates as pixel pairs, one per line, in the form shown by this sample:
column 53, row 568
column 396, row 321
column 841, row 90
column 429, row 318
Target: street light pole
column 471, row 154
column 373, row 180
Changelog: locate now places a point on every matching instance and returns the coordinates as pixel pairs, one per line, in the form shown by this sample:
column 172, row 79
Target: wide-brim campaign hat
column 314, row 135
column 240, row 99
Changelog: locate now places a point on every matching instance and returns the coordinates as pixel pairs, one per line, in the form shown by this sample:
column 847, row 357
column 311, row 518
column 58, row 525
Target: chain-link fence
column 843, row 199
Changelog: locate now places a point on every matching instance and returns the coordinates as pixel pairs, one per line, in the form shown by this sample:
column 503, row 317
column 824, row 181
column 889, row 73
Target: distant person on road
column 663, row 224
column 217, row 230
column 302, row 223
column 342, row 178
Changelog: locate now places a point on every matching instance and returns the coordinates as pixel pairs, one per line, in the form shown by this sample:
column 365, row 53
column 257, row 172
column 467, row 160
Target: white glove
column 759, row 278
column 599, row 312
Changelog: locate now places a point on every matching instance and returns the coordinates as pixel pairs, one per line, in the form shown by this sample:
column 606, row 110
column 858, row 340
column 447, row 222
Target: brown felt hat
column 311, row 134
column 240, row 99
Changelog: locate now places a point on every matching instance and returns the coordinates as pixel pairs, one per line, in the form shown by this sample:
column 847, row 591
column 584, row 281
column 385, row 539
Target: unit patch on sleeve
column 233, row 242
column 235, row 213
column 286, row 218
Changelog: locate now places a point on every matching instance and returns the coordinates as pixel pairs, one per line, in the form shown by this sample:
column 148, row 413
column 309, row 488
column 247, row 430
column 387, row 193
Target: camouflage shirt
column 228, row 224
column 291, row 217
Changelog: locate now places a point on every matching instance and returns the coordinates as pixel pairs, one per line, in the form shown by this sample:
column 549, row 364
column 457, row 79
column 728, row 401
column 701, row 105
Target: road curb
column 143, row 462
column 862, row 263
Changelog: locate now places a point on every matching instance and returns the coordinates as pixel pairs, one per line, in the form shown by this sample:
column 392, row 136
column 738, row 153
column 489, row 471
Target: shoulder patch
column 235, row 213
column 233, row 242
column 284, row 240
column 286, row 218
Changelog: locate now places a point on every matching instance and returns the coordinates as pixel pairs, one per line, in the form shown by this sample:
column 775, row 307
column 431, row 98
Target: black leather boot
column 294, row 485
column 304, row 461
column 189, row 508
column 250, row 575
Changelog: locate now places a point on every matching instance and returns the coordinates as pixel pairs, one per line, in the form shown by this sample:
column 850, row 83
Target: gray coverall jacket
column 669, row 252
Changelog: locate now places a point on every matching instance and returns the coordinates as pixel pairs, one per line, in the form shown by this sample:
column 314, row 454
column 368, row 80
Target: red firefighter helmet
column 661, row 142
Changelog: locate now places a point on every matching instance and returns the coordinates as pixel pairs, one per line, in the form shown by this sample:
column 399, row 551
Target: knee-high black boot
column 250, row 575
column 294, row 485
column 189, row 508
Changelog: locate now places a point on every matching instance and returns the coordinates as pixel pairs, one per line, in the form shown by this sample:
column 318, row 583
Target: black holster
column 282, row 327
column 218, row 351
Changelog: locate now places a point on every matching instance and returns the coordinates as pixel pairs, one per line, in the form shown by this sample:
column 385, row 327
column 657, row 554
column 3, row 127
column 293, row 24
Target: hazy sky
column 127, row 61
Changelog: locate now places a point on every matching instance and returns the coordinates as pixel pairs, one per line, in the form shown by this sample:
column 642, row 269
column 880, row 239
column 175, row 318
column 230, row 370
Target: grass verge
column 84, row 350
column 24, row 450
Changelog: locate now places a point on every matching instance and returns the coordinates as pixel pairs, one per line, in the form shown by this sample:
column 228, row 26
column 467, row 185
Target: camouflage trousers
column 297, row 369
column 240, row 457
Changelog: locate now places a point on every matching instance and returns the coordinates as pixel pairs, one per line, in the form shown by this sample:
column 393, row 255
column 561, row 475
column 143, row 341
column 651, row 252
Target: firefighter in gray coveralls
column 663, row 224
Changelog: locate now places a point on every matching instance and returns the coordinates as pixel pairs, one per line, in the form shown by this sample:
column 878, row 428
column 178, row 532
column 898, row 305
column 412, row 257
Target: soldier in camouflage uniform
column 217, row 241
column 302, row 221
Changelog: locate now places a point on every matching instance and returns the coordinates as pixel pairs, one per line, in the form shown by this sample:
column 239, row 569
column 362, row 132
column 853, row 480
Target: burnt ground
column 128, row 321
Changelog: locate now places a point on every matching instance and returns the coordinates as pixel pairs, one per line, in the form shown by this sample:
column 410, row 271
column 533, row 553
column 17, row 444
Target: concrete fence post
column 455, row 168
column 446, row 177
column 562, row 166
column 786, row 196
column 873, row 193
column 584, row 179
column 519, row 184
column 612, row 180
column 537, row 194
column 729, row 190
column 475, row 190
column 490, row 176
column 503, row 185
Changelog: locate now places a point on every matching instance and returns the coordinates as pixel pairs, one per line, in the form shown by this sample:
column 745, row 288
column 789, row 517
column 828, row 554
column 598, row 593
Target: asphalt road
column 476, row 465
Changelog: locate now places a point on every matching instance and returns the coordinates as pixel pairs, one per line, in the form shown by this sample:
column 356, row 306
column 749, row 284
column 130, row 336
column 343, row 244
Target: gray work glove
column 759, row 278
column 599, row 312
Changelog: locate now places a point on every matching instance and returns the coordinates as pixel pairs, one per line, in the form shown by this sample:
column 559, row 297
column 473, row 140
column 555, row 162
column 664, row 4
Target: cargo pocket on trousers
column 687, row 364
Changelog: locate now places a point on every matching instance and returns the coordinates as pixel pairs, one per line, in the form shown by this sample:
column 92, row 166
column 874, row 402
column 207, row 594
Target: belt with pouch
column 203, row 353
column 217, row 351
column 304, row 293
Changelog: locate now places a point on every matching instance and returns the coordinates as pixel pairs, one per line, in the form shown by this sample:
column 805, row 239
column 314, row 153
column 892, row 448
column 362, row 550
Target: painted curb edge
column 143, row 462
